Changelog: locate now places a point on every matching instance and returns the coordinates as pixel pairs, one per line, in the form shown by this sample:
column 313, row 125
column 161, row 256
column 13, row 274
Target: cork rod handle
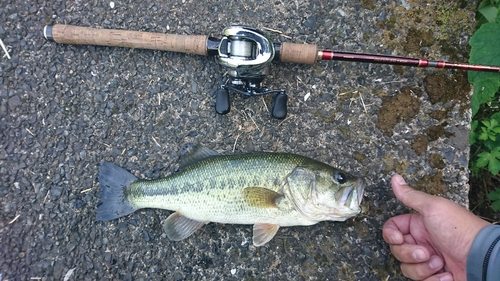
column 298, row 53
column 69, row 34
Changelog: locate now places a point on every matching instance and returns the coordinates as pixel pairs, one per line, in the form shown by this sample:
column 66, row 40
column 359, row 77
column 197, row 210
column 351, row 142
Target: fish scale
column 268, row 190
column 215, row 179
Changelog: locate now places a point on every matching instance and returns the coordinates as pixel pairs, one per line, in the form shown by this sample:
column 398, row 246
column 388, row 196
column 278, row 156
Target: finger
column 394, row 229
column 417, row 200
column 446, row 276
column 410, row 253
column 408, row 239
column 420, row 271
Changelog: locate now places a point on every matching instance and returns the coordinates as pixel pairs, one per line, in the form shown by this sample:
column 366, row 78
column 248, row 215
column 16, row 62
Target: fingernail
column 446, row 277
column 435, row 262
column 393, row 239
column 400, row 180
column 419, row 255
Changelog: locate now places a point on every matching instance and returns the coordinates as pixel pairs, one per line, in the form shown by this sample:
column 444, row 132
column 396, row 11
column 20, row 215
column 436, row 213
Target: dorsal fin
column 192, row 153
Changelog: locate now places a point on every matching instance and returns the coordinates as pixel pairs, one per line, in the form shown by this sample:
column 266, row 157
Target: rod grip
column 298, row 53
column 70, row 34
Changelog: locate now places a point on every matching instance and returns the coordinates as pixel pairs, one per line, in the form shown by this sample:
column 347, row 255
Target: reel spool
column 247, row 53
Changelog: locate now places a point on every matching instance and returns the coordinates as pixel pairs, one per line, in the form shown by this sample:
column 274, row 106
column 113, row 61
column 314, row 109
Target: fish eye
column 340, row 177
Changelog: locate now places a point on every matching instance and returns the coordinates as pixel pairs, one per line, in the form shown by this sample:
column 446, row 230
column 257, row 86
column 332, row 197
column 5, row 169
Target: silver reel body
column 247, row 54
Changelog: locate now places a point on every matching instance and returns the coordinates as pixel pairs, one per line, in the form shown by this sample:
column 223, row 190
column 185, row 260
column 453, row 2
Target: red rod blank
column 356, row 57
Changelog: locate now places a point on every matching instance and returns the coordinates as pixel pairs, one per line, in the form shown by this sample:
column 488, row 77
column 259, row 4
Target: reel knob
column 222, row 104
column 278, row 108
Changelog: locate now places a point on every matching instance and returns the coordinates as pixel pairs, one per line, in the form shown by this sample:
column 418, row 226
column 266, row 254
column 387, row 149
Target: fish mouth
column 360, row 188
column 352, row 195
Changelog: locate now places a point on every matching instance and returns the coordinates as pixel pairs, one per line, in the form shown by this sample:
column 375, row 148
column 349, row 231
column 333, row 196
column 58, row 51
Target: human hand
column 432, row 244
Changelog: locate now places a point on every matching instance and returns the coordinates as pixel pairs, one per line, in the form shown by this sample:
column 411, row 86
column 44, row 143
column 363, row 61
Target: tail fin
column 113, row 180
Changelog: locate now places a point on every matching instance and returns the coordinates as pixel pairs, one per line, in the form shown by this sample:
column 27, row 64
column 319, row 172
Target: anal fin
column 178, row 227
column 263, row 233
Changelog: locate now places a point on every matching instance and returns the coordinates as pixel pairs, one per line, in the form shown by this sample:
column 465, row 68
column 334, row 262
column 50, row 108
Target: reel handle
column 70, row 34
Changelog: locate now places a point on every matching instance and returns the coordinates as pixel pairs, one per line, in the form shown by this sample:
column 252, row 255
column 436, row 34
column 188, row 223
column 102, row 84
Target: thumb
column 417, row 200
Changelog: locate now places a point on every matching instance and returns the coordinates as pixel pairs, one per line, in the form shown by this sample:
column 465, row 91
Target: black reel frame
column 250, row 87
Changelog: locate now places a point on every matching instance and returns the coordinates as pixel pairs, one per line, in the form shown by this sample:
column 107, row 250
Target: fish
column 266, row 189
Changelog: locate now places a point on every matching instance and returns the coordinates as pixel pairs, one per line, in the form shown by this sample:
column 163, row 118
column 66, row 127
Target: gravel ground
column 64, row 109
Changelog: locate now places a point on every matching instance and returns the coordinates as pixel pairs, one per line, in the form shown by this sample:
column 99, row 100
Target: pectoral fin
column 261, row 197
column 178, row 227
column 263, row 233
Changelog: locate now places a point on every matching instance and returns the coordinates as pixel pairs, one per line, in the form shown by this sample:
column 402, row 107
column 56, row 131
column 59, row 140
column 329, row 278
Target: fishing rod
column 246, row 53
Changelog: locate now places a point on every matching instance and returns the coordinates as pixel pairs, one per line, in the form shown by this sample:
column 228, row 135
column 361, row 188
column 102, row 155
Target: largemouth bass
column 268, row 190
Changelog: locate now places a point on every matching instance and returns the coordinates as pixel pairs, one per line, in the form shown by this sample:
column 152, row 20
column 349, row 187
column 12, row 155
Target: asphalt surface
column 66, row 108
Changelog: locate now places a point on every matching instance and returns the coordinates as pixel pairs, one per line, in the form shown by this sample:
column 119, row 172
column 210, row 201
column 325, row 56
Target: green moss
column 359, row 157
column 388, row 269
column 439, row 114
column 391, row 21
column 394, row 165
column 417, row 38
column 419, row 144
column 443, row 88
column 344, row 131
column 160, row 123
column 402, row 107
column 436, row 161
column 347, row 94
column 437, row 131
column 432, row 184
column 320, row 258
column 368, row 4
column 399, row 69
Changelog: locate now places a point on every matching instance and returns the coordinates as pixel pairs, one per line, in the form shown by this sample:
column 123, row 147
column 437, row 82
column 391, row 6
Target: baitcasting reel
column 247, row 53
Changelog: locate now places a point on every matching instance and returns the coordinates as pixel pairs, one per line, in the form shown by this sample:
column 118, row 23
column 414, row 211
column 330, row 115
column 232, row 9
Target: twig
column 264, row 102
column 300, row 80
column 155, row 141
column 349, row 92
column 251, row 118
column 390, row 82
column 14, row 219
column 104, row 143
column 30, row 132
column 46, row 196
column 5, row 49
column 362, row 102
column 235, row 141
column 285, row 120
column 277, row 31
column 86, row 190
